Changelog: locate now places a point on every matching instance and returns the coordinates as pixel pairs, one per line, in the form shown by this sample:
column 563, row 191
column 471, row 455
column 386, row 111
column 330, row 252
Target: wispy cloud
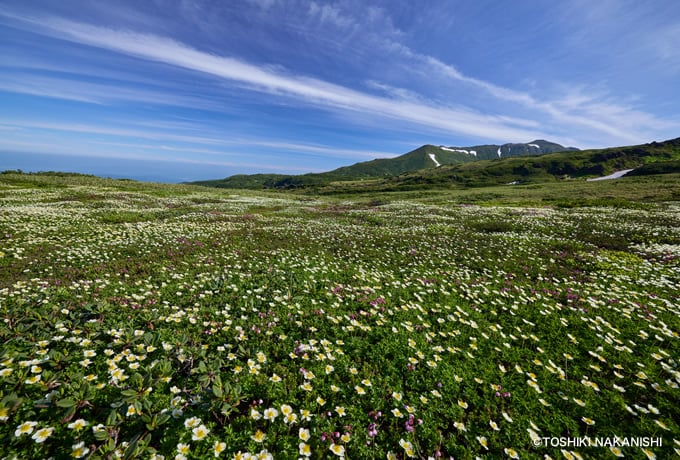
column 664, row 46
column 593, row 115
column 169, row 140
column 317, row 149
column 112, row 131
column 576, row 112
column 413, row 90
column 102, row 93
column 304, row 89
column 32, row 147
column 330, row 14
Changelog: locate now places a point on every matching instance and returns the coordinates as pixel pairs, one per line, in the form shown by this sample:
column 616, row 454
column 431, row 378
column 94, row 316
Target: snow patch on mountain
column 437, row 164
column 534, row 145
column 469, row 152
column 614, row 175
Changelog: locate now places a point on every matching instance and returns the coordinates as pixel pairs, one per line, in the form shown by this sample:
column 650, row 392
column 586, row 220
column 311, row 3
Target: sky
column 184, row 90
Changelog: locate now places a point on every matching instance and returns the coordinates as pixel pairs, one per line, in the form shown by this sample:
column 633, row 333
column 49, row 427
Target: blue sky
column 198, row 89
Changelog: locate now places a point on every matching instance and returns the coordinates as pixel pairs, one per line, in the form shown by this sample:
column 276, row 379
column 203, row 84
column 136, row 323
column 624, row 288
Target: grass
column 415, row 170
column 149, row 320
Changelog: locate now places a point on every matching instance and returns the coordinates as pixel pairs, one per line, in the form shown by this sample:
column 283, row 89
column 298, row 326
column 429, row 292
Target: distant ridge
column 424, row 157
column 490, row 152
column 655, row 158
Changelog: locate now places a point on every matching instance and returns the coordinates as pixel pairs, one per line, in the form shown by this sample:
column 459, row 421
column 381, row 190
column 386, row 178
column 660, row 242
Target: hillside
column 424, row 157
column 647, row 159
column 552, row 167
column 225, row 298
column 490, row 152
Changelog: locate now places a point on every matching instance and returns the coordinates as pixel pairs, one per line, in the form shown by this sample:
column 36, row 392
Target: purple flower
column 372, row 430
column 410, row 424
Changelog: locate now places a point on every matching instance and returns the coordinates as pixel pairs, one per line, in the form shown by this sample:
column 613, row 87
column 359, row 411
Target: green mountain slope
column 492, row 151
column 425, row 157
column 647, row 159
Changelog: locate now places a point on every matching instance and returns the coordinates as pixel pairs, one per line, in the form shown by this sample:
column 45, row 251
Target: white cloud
column 592, row 115
column 102, row 93
column 172, row 142
column 664, row 45
column 110, row 131
column 264, row 4
column 45, row 148
column 571, row 115
column 301, row 88
column 330, row 14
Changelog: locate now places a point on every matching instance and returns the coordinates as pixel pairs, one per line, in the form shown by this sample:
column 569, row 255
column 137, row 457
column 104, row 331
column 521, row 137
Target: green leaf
column 112, row 418
column 131, row 449
column 217, row 391
column 67, row 402
column 12, row 401
column 137, row 380
column 111, row 444
column 102, row 435
column 227, row 409
column 162, row 419
column 70, row 412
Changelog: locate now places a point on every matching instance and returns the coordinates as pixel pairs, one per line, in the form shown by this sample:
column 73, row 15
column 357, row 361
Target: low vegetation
column 415, row 170
column 159, row 321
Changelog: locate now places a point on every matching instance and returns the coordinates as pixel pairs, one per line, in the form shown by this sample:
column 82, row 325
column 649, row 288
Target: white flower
column 337, row 449
column 199, row 433
column 219, row 447
column 78, row 424
column 305, row 450
column 25, row 428
column 192, row 422
column 79, row 450
column 42, row 434
column 270, row 414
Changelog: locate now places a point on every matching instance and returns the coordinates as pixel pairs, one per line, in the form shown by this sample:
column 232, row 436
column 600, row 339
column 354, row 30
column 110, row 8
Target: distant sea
column 142, row 170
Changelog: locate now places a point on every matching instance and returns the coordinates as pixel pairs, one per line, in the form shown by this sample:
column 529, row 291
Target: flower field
column 175, row 322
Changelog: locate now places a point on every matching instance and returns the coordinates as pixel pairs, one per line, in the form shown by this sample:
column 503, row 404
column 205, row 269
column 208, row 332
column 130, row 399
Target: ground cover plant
column 148, row 321
column 432, row 167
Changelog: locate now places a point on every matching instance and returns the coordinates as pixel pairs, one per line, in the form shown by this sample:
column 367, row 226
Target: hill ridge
column 427, row 156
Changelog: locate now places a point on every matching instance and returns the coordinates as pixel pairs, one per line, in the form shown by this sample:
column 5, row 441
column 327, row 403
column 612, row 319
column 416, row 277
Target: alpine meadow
column 339, row 229
column 158, row 321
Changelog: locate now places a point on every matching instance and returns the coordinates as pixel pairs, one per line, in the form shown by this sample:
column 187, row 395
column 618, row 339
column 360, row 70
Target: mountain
column 425, row 157
column 490, row 152
column 430, row 156
column 647, row 159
